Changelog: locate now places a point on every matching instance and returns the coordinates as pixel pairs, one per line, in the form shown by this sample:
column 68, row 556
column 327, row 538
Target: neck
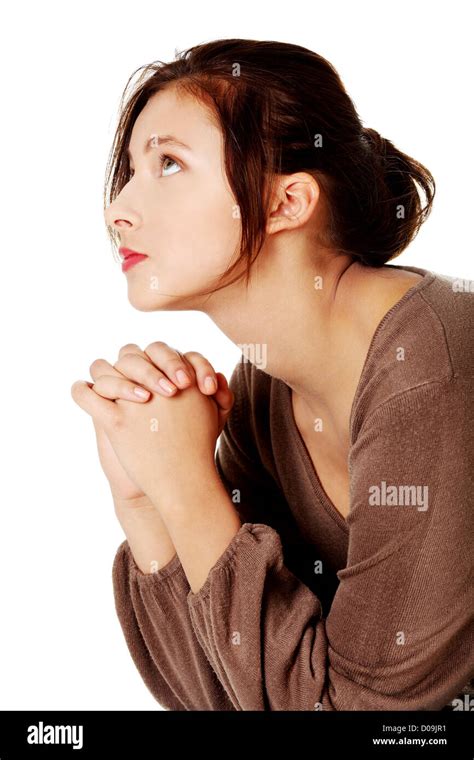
column 313, row 334
column 291, row 319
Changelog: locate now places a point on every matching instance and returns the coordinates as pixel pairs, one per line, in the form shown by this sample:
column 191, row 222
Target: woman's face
column 181, row 213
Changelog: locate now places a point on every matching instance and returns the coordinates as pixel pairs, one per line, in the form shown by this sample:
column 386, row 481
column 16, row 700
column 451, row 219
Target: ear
column 294, row 202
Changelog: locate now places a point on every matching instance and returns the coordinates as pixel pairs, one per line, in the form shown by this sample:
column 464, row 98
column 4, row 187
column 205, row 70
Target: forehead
column 168, row 114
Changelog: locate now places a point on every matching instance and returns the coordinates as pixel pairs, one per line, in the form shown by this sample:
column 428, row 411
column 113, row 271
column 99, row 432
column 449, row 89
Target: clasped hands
column 151, row 444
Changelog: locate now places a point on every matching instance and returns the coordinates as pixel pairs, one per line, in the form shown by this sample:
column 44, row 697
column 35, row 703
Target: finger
column 130, row 348
column 167, row 360
column 127, row 367
column 171, row 362
column 102, row 367
column 224, row 399
column 141, row 370
column 204, row 371
column 224, row 395
column 124, row 386
column 99, row 408
column 113, row 387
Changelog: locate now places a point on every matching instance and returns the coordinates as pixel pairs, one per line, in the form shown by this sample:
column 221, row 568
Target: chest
column 330, row 461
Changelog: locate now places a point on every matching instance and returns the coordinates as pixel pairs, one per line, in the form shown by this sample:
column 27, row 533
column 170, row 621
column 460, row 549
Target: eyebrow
column 161, row 140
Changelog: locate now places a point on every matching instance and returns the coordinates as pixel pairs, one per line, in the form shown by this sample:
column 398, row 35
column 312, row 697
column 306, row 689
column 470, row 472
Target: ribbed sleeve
column 399, row 633
column 153, row 613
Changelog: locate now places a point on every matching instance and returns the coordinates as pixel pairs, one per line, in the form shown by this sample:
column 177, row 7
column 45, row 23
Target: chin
column 156, row 302
column 145, row 302
column 143, row 306
column 167, row 297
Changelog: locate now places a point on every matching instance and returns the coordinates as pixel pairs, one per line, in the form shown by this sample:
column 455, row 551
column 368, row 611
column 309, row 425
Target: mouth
column 130, row 258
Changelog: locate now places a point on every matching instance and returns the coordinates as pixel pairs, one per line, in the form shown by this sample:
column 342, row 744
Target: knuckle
column 77, row 390
column 191, row 361
column 193, row 355
column 129, row 348
column 156, row 345
column 128, row 363
column 123, row 361
column 196, row 357
column 96, row 365
column 74, row 389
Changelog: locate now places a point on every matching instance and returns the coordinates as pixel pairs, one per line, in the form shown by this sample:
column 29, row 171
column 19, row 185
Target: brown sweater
column 305, row 610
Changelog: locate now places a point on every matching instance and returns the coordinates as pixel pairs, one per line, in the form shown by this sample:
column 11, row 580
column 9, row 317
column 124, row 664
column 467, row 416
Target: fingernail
column 166, row 385
column 210, row 384
column 141, row 392
column 182, row 376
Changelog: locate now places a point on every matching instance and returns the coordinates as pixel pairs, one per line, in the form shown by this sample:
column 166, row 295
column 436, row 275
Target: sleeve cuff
column 246, row 539
column 173, row 570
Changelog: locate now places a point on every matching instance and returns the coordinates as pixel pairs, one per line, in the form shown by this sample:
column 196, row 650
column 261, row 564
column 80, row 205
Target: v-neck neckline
column 427, row 278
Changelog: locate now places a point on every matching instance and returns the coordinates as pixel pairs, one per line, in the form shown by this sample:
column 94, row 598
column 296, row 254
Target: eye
column 163, row 159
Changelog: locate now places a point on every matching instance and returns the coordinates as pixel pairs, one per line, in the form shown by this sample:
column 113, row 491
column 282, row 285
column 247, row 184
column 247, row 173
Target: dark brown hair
column 283, row 108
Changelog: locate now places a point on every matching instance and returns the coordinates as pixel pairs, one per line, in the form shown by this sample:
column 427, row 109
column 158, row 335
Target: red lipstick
column 130, row 258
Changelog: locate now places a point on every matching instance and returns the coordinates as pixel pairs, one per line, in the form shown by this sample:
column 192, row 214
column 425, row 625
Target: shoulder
column 450, row 306
column 257, row 421
column 248, row 422
column 252, row 388
column 423, row 351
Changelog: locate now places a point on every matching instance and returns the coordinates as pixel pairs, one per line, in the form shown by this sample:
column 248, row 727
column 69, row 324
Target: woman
column 320, row 559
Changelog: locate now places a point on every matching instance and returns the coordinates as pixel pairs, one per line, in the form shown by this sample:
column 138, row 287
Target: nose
column 118, row 216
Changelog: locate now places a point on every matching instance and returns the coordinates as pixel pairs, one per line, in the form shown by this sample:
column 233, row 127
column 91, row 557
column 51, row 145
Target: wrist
column 132, row 504
column 138, row 514
column 199, row 480
column 201, row 520
column 146, row 533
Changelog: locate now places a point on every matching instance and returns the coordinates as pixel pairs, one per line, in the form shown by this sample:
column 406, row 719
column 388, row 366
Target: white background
column 408, row 68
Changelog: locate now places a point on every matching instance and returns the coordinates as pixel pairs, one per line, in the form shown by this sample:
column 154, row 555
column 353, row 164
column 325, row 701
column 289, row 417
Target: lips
column 126, row 252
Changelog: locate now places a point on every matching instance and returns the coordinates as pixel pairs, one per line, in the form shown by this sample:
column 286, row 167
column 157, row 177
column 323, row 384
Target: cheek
column 216, row 227
column 196, row 230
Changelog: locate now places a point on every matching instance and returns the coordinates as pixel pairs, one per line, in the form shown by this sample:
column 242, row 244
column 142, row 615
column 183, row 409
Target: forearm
column 147, row 535
column 201, row 521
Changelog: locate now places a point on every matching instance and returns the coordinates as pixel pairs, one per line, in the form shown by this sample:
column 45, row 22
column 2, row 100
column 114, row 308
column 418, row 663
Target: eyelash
column 162, row 158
